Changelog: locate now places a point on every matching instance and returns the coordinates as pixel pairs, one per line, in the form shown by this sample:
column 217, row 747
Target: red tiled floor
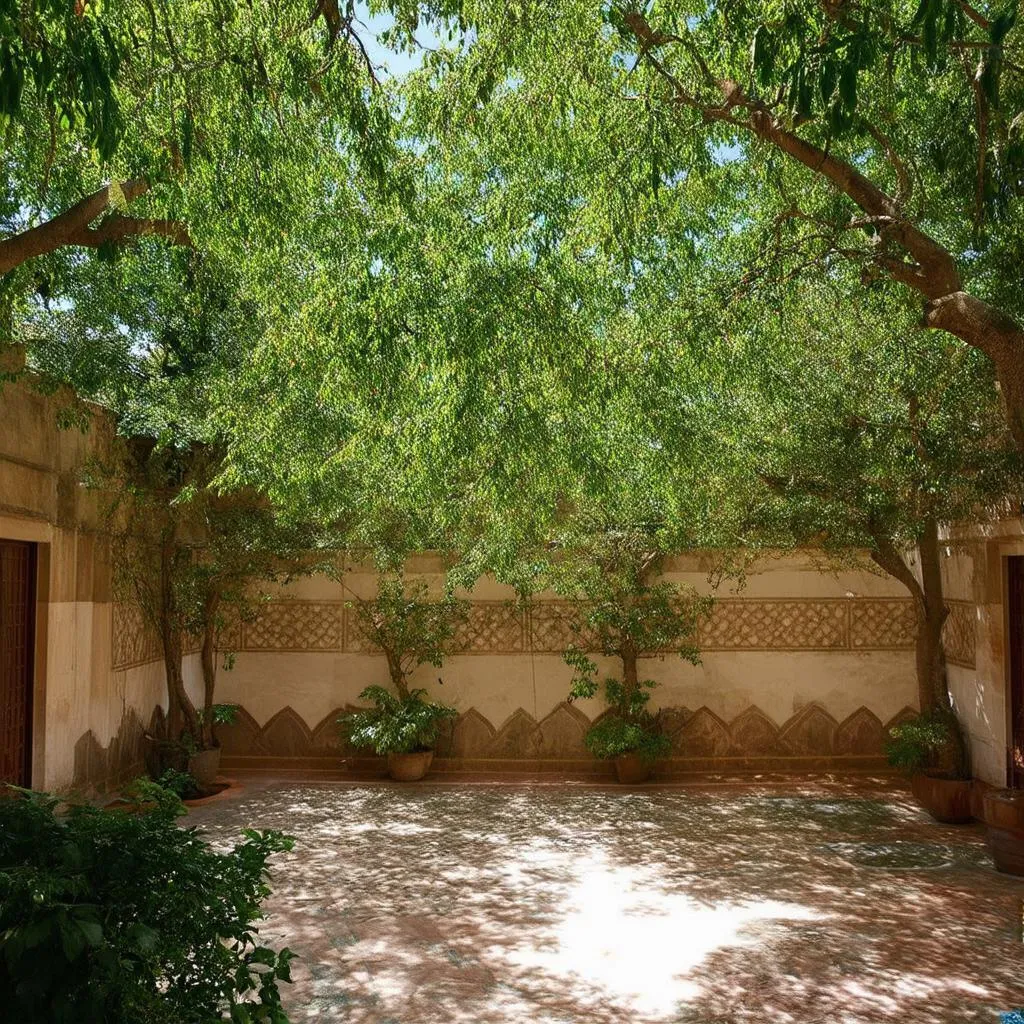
column 724, row 902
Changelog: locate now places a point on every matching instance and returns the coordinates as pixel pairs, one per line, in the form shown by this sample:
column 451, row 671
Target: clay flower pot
column 1004, row 829
column 409, row 767
column 631, row 769
column 203, row 767
column 946, row 800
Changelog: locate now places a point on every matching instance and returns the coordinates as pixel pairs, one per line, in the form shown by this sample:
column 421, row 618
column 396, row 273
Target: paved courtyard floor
column 571, row 904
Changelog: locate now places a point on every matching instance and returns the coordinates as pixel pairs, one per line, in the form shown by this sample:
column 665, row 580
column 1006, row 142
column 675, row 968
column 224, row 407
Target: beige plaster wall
column 975, row 578
column 769, row 654
column 87, row 717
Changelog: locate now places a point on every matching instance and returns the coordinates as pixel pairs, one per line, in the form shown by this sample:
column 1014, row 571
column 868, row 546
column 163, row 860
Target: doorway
column 17, row 670
column 1015, row 638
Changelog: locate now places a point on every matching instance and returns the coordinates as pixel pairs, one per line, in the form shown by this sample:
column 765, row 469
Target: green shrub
column 125, row 918
column 613, row 736
column 182, row 784
column 395, row 725
column 629, row 728
column 932, row 741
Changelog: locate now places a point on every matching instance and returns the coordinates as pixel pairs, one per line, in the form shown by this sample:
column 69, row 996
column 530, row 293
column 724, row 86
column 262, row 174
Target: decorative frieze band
column 544, row 627
column 134, row 641
column 958, row 635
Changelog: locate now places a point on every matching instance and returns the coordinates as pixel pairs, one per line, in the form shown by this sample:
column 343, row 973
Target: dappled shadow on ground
column 592, row 906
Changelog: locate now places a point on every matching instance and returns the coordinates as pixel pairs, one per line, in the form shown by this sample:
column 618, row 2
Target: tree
column 883, row 135
column 408, row 627
column 623, row 611
column 113, row 108
column 185, row 553
column 866, row 433
column 241, row 547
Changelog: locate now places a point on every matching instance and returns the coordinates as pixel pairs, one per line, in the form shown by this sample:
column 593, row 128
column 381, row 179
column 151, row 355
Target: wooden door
column 17, row 643
column 1015, row 640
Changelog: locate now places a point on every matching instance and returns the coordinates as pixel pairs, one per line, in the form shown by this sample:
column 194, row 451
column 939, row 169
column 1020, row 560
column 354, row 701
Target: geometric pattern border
column 958, row 634
column 559, row 735
column 134, row 641
column 503, row 627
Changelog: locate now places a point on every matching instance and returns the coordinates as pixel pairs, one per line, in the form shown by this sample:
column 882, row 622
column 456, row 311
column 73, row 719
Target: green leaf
column 848, row 86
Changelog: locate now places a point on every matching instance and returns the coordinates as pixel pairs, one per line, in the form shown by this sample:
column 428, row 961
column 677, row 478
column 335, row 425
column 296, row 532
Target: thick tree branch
column 940, row 275
column 72, row 227
column 886, row 556
column 931, row 270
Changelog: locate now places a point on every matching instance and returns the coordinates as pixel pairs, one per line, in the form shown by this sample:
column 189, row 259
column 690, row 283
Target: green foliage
column 220, row 714
column 411, row 628
column 621, row 609
column 628, row 728
column 113, row 918
column 849, row 428
column 182, row 784
column 396, row 725
column 932, row 741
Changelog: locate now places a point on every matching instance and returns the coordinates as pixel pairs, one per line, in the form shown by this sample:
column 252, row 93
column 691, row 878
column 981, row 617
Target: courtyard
column 511, row 512
column 807, row 900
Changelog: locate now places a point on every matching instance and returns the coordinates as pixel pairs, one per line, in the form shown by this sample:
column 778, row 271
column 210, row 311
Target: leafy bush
column 614, row 736
column 396, row 725
column 629, row 728
column 931, row 742
column 180, row 783
column 122, row 918
column 220, row 714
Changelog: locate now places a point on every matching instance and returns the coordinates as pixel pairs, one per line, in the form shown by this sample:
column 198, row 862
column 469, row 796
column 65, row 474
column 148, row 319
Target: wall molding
column 557, row 737
column 501, row 627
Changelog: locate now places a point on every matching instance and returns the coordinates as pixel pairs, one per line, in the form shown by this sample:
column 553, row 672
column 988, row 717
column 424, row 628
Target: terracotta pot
column 203, row 767
column 409, row 767
column 161, row 754
column 946, row 800
column 1004, row 829
column 631, row 769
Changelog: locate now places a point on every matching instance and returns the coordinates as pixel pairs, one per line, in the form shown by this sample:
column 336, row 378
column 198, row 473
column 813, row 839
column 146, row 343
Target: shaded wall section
column 975, row 578
column 92, row 696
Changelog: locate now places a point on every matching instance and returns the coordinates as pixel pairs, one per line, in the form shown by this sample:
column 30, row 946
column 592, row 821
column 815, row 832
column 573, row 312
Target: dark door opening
column 1015, row 639
column 17, row 646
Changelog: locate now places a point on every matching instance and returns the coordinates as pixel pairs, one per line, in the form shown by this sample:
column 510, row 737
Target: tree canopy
column 668, row 262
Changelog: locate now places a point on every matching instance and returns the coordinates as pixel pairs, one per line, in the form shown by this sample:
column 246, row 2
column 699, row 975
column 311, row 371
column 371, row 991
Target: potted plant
column 410, row 629
column 204, row 761
column 628, row 734
column 403, row 729
column 1004, row 828
column 622, row 611
column 932, row 748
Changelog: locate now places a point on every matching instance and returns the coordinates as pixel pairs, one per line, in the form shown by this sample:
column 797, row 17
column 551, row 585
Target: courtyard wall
column 800, row 668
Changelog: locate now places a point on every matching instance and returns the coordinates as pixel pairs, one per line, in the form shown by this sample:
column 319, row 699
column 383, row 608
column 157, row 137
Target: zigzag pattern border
column 810, row 732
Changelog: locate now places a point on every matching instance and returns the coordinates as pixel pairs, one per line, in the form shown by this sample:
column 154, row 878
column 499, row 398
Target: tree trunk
column 985, row 328
column 929, row 608
column 397, row 675
column 932, row 684
column 630, row 683
column 208, row 659
column 181, row 712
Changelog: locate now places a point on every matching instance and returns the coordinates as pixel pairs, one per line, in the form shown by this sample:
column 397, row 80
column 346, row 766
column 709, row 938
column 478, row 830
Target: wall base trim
column 669, row 768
